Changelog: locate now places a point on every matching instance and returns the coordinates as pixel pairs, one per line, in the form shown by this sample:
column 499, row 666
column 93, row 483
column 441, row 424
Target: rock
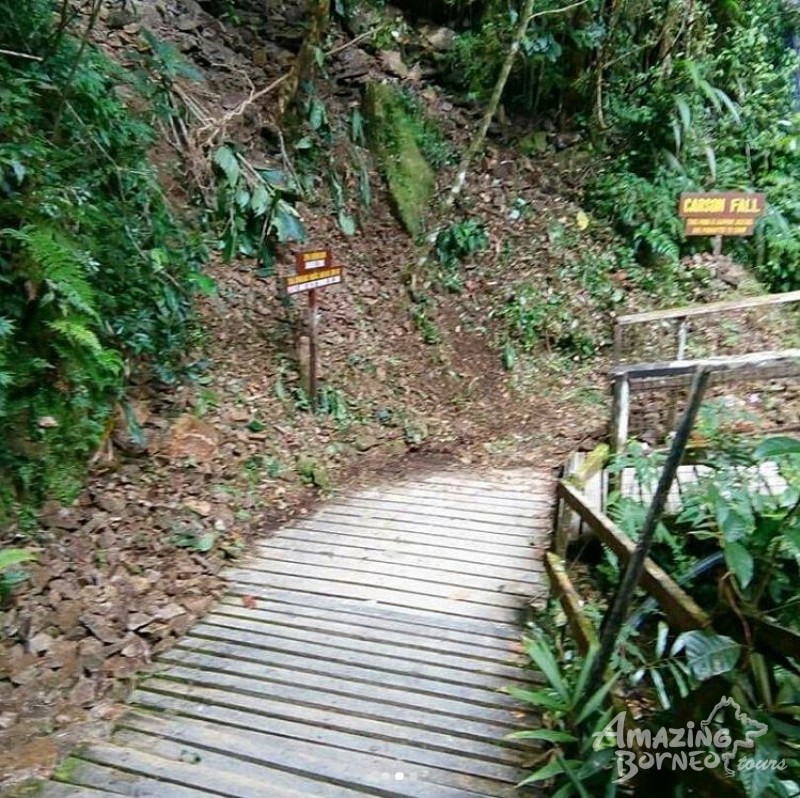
column 91, row 654
column 68, row 615
column 202, row 508
column 409, row 177
column 40, row 643
column 62, row 654
column 188, row 24
column 135, row 647
column 84, row 692
column 534, row 143
column 54, row 516
column 118, row 19
column 440, row 39
column 111, row 503
column 365, row 442
column 198, row 606
column 8, row 719
column 169, row 611
column 136, row 620
column 391, row 61
column 192, row 438
column 100, row 627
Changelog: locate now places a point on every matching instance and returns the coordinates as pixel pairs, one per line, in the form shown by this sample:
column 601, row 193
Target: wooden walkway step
column 359, row 652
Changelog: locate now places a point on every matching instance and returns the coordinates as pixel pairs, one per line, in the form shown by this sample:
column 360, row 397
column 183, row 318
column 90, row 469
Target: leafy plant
column 455, row 244
column 10, row 574
column 570, row 722
column 97, row 273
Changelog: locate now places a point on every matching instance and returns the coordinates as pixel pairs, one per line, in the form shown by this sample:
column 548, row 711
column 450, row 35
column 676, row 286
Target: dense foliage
column 96, row 272
column 735, row 548
column 676, row 96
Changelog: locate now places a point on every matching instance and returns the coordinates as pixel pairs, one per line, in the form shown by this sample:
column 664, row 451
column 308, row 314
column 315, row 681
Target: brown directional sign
column 723, row 213
column 313, row 269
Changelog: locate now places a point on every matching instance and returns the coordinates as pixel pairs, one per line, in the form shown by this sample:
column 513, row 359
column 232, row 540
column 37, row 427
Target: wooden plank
column 370, row 627
column 144, row 775
column 710, row 308
column 213, row 688
column 497, row 592
column 172, row 729
column 110, row 768
column 516, row 507
column 443, row 570
column 467, row 606
column 208, row 654
column 349, row 769
column 58, row 789
column 259, row 714
column 191, row 665
column 563, row 589
column 145, row 734
column 681, row 610
column 400, row 542
column 447, row 544
column 467, row 525
column 378, row 655
column 346, row 606
column 753, row 363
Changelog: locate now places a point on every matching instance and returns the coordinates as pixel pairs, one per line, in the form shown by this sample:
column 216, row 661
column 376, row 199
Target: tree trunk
column 479, row 138
column 320, row 11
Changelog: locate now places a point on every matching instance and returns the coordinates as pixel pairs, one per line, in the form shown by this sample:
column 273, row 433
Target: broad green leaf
column 545, row 661
column 740, row 562
column 10, row 557
column 539, row 698
column 545, row 772
column 261, row 201
column 225, row 158
column 707, row 653
column 777, row 447
column 347, row 223
column 286, row 223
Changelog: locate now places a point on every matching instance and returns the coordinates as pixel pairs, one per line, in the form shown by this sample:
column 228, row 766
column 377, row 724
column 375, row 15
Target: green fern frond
column 74, row 329
column 55, row 260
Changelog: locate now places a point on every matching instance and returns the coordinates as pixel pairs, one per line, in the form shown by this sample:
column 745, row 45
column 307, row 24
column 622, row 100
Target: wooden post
column 313, row 349
column 620, row 411
column 716, row 243
column 618, row 611
column 619, row 332
column 681, row 336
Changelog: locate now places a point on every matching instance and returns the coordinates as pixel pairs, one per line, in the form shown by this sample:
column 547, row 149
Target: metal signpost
column 313, row 269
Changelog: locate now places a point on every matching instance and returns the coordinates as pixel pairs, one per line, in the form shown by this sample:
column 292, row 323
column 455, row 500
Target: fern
column 56, row 261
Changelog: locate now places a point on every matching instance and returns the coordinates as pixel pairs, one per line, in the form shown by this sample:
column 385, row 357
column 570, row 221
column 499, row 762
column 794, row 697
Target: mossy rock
column 392, row 134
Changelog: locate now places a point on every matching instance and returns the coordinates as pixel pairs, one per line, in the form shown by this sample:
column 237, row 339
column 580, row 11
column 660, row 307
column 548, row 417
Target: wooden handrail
column 681, row 609
column 690, row 311
column 724, row 363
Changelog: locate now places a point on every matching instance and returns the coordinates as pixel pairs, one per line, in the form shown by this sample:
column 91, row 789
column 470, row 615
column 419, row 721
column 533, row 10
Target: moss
column 409, row 177
column 67, row 769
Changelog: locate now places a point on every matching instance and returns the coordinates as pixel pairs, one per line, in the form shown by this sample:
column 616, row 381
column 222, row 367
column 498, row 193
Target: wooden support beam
column 562, row 588
column 680, row 608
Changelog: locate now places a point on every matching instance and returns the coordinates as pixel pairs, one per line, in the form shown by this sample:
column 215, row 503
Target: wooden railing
column 682, row 315
column 680, row 609
column 760, row 366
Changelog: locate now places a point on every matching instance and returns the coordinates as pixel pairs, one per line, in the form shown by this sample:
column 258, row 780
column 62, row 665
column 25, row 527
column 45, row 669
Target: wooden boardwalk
column 360, row 652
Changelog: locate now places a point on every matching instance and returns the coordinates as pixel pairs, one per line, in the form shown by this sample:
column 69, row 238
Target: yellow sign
column 728, row 213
